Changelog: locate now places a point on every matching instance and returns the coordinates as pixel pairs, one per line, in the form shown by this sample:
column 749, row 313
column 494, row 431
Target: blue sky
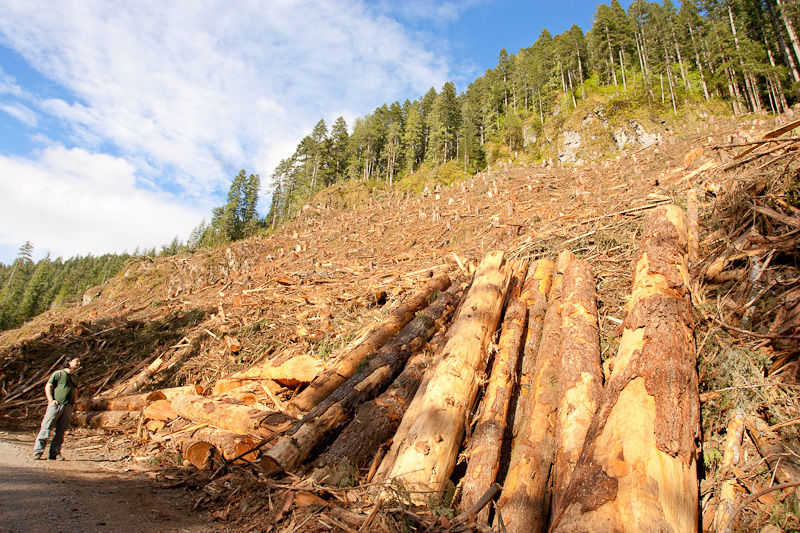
column 122, row 123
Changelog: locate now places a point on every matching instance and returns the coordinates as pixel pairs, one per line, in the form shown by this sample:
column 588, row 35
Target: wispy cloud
column 189, row 92
column 22, row 113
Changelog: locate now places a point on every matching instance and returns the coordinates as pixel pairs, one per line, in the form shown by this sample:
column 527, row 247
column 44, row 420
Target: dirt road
column 86, row 494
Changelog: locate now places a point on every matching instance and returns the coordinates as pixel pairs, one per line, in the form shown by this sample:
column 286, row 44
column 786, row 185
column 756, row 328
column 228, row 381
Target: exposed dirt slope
column 323, row 277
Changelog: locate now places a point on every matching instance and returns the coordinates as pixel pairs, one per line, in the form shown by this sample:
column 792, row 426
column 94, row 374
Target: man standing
column 61, row 391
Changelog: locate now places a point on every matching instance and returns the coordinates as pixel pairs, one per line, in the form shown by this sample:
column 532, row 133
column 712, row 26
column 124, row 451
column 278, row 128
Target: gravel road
column 84, row 495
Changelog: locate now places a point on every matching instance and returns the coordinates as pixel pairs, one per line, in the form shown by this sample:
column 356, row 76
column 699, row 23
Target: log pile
column 539, row 426
column 279, row 311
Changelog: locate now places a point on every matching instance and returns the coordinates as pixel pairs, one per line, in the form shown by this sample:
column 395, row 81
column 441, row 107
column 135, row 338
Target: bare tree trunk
column 428, row 455
column 780, row 99
column 669, row 79
column 229, row 444
column 726, row 497
column 638, row 469
column 413, row 410
column 539, row 284
column 487, row 438
column 133, row 402
column 239, row 419
column 111, row 420
column 525, row 500
column 787, row 53
column 611, row 57
column 581, row 377
column 693, row 232
column 699, row 64
column 299, row 369
column 787, row 21
column 297, row 444
column 324, row 384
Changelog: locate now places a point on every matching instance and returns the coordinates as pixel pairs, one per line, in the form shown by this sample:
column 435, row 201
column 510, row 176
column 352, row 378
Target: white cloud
column 206, row 88
column 21, row 113
column 182, row 95
column 71, row 201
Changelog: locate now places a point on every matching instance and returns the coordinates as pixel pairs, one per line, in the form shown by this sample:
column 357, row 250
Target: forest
column 743, row 52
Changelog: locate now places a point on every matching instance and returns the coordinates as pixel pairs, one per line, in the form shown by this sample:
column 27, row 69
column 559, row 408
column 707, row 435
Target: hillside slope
column 330, row 273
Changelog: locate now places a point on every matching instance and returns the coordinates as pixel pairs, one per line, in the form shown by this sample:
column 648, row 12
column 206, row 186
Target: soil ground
column 89, row 492
column 323, row 277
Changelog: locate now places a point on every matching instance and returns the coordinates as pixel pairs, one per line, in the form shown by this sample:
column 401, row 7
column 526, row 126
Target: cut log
column 377, row 421
column 538, row 284
column 428, row 455
column 109, row 420
column 201, row 455
column 413, row 410
column 769, row 446
column 229, row 444
column 726, row 496
column 297, row 370
column 164, row 362
column 487, row 438
column 525, row 501
column 133, row 402
column 160, row 410
column 236, row 418
column 693, row 220
column 294, row 447
column 233, row 344
column 581, row 376
column 172, row 392
column 638, row 468
column 368, row 343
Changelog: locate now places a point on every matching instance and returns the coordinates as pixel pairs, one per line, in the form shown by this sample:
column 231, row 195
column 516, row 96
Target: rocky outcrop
column 571, row 144
column 529, row 136
column 634, row 134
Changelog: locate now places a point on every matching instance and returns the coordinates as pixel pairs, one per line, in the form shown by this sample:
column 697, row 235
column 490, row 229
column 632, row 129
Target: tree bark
column 133, row 402
column 638, row 471
column 525, row 500
column 105, row 419
column 428, row 455
column 377, row 421
column 228, row 443
column 487, row 438
column 299, row 369
column 338, row 408
column 413, row 410
column 539, row 283
column 581, row 376
column 327, row 382
column 236, row 418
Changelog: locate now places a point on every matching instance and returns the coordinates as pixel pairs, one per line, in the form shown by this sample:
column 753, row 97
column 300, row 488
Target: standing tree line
column 745, row 52
column 28, row 288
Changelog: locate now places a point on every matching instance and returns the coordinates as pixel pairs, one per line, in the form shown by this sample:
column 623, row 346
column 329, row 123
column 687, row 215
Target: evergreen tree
column 338, row 150
column 444, row 121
